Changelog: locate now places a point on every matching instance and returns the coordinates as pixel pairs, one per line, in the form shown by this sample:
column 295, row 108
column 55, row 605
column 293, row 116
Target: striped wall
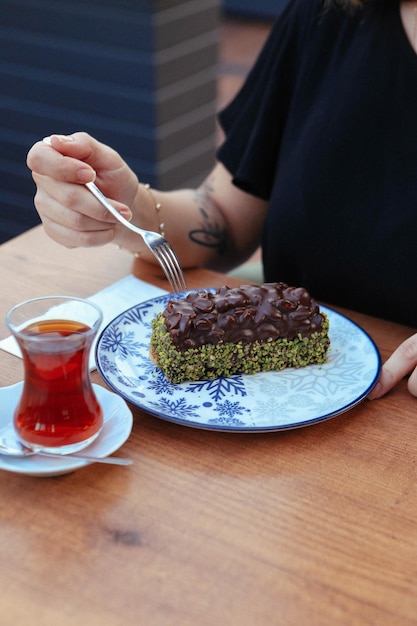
column 137, row 74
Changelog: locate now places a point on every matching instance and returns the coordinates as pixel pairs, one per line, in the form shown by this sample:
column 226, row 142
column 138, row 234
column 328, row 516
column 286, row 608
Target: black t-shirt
column 325, row 128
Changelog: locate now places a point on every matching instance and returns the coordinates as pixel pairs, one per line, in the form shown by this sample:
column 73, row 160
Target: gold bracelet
column 158, row 206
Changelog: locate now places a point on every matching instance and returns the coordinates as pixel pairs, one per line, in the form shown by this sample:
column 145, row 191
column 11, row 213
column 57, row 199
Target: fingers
column 76, row 239
column 73, row 158
column 63, row 159
column 72, row 228
column 79, row 159
column 74, row 202
column 72, row 216
column 401, row 362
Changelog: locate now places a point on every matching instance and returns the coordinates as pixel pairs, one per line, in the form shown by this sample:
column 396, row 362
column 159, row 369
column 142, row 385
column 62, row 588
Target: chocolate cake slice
column 246, row 329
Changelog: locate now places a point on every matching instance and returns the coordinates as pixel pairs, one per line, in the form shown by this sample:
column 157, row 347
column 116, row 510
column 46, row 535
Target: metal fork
column 156, row 243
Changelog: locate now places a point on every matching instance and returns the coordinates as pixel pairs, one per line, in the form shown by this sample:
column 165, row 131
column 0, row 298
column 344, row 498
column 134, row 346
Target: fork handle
column 103, row 200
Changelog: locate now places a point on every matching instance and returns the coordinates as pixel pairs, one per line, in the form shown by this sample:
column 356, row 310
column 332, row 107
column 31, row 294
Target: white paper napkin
column 112, row 300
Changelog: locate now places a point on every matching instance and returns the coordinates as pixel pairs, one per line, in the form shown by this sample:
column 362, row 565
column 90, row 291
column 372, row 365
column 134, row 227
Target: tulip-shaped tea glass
column 58, row 409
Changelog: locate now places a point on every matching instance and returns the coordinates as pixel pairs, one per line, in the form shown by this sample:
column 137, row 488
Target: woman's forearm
column 192, row 220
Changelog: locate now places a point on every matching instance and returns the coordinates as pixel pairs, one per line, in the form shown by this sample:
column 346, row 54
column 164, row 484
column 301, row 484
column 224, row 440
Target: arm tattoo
column 209, row 234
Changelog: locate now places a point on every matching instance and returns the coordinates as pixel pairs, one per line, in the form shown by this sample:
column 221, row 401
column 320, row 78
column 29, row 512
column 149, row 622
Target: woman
column 318, row 164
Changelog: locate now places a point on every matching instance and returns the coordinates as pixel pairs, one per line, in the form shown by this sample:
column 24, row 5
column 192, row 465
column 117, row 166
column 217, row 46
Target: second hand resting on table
column 216, row 225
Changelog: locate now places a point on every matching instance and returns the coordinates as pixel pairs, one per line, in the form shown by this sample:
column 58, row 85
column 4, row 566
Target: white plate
column 262, row 402
column 116, row 429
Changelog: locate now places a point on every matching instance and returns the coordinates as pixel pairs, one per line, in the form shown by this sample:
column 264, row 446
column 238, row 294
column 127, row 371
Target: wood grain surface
column 314, row 526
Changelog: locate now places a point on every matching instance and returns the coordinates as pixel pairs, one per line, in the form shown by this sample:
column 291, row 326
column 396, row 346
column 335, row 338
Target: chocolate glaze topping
column 246, row 313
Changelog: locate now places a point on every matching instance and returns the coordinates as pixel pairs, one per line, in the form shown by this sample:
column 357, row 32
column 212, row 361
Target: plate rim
column 241, row 429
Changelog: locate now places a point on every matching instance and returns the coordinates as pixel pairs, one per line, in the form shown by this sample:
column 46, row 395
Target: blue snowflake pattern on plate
column 264, row 402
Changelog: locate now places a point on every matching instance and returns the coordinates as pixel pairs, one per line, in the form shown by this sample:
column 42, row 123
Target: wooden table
column 304, row 527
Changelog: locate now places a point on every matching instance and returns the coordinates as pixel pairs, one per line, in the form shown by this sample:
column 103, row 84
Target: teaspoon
column 17, row 449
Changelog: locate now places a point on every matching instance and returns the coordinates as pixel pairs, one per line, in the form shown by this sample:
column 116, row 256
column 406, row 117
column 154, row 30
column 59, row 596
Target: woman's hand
column 70, row 214
column 401, row 362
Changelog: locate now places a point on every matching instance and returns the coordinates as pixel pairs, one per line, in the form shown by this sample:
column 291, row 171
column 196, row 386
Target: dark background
column 137, row 74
